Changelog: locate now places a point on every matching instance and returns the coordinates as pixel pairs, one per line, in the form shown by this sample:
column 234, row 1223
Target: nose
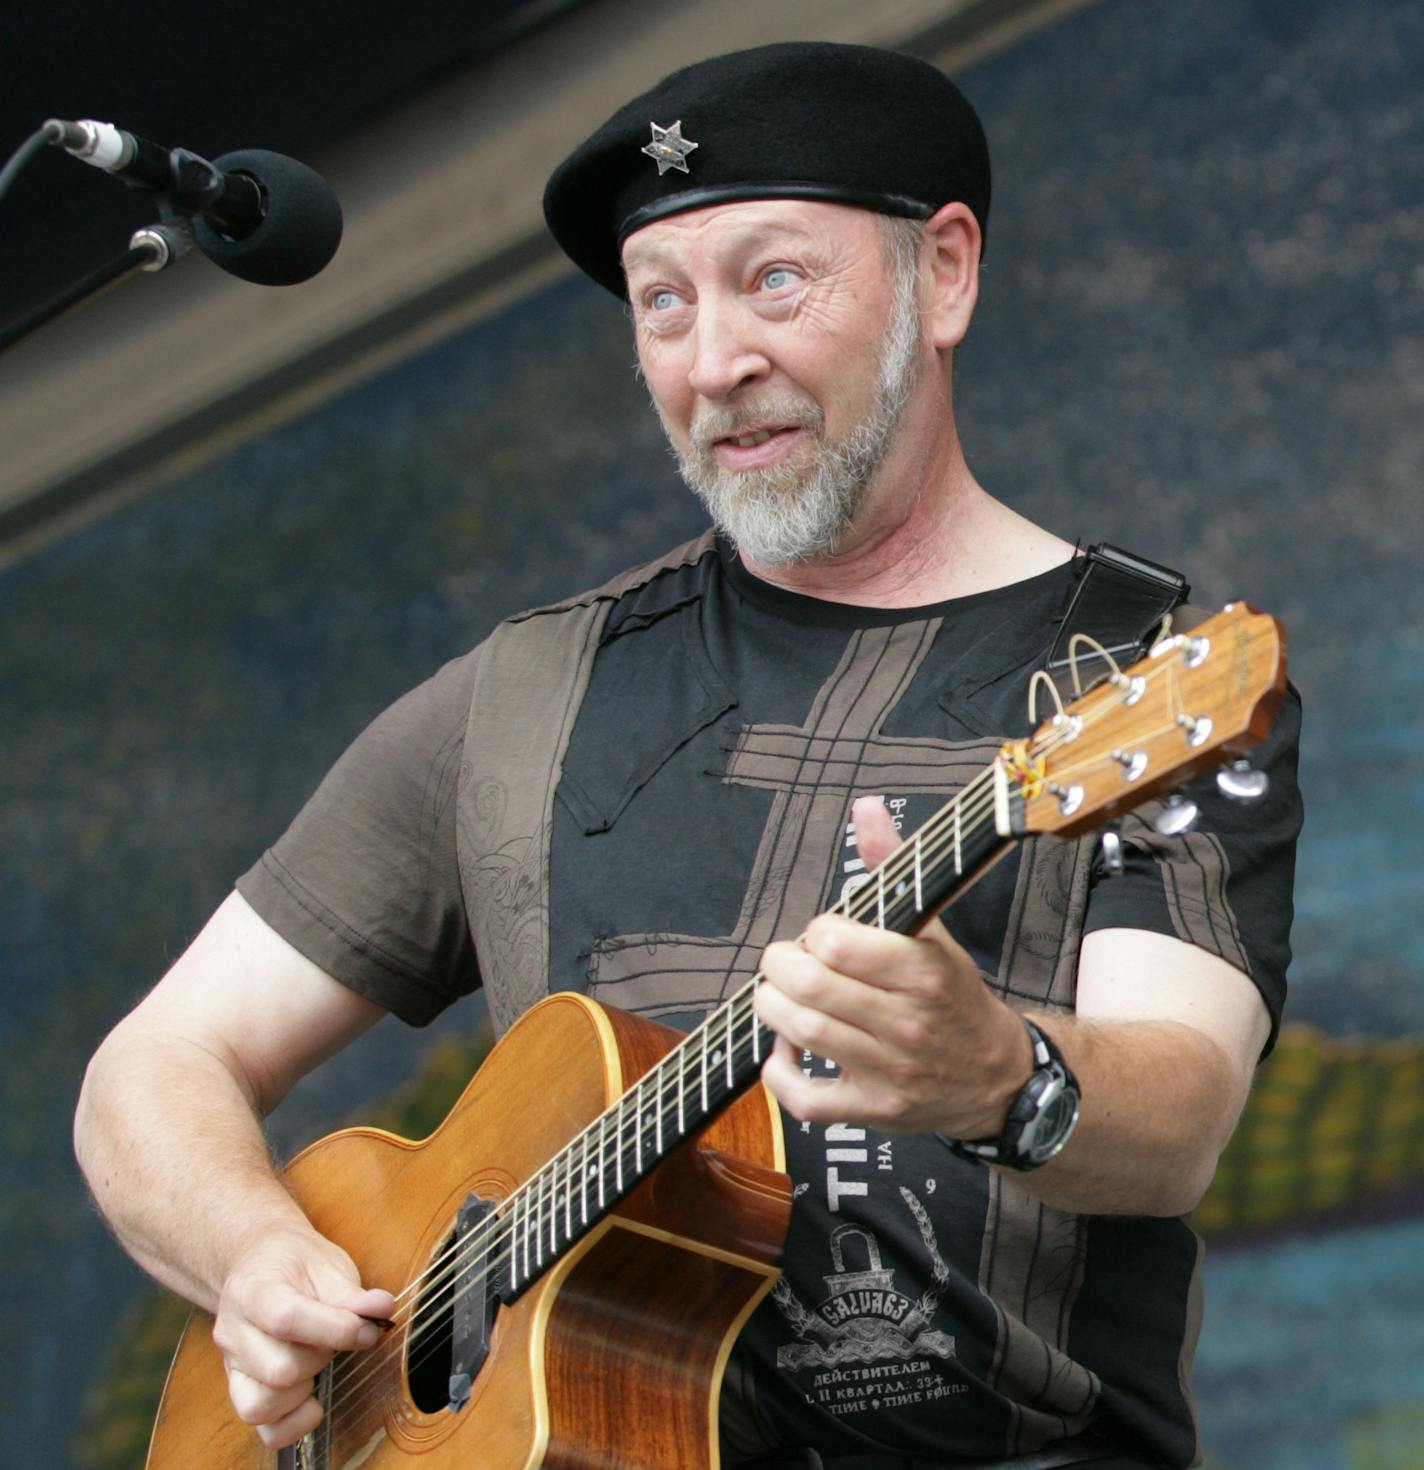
column 726, row 353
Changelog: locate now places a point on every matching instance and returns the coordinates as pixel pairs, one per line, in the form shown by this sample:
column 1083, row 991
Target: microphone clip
column 167, row 241
column 232, row 203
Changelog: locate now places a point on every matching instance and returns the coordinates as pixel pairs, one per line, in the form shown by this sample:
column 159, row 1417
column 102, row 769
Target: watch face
column 1057, row 1115
column 1041, row 1118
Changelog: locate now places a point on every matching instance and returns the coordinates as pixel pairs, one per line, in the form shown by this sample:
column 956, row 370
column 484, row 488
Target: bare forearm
column 1160, row 1100
column 175, row 1157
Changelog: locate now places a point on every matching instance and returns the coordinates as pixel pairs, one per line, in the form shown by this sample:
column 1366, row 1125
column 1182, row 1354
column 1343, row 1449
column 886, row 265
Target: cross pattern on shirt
column 814, row 770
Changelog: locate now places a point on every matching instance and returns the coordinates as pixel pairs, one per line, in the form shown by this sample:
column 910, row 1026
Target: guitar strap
column 1119, row 600
column 531, row 676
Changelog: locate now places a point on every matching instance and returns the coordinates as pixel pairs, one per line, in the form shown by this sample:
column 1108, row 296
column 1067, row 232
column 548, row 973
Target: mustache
column 778, row 411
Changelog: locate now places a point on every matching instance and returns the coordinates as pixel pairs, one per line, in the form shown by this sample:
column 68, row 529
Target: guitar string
column 943, row 816
column 501, row 1232
column 501, row 1225
column 471, row 1247
column 672, row 1075
column 498, row 1233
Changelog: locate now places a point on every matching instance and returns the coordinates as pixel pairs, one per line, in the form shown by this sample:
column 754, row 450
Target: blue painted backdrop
column 1200, row 337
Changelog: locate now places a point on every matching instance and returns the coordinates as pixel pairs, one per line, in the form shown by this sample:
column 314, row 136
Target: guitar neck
column 721, row 1058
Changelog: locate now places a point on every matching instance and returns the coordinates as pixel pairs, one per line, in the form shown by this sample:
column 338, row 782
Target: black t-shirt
column 928, row 1305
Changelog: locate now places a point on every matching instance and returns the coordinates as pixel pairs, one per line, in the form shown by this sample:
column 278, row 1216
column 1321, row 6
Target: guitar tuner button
column 1198, row 731
column 1070, row 798
column 1239, row 782
column 1133, row 763
column 1112, row 852
column 1177, row 817
column 1195, row 651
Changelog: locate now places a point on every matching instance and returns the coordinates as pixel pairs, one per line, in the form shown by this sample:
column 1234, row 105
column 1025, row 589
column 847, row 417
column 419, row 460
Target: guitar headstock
column 1195, row 700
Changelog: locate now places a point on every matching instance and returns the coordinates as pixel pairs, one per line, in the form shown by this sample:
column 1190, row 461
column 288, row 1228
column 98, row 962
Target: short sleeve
column 365, row 882
column 1226, row 886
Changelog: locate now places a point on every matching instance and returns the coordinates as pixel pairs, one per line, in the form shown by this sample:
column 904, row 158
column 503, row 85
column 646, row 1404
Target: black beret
column 800, row 120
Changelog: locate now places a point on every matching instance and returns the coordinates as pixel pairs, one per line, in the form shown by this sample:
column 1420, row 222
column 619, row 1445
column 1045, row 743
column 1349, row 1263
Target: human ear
column 955, row 243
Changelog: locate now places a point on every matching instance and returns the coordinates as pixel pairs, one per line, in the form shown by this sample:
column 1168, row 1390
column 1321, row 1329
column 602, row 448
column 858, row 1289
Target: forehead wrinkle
column 641, row 254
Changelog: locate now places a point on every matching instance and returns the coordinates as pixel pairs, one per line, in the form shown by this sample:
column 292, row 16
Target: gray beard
column 794, row 512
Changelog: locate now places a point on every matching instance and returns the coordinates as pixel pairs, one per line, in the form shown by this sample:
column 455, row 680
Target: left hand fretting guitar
column 582, row 1238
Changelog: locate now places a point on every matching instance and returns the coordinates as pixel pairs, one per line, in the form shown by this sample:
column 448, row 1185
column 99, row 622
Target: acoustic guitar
column 584, row 1235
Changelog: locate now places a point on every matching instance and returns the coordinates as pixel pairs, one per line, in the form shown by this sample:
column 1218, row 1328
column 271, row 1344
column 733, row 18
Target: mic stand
column 151, row 248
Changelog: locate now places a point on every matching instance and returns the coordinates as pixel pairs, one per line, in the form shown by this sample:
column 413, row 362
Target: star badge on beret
column 669, row 149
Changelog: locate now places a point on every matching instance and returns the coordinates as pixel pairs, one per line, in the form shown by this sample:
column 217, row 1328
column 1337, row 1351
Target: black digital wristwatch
column 1041, row 1119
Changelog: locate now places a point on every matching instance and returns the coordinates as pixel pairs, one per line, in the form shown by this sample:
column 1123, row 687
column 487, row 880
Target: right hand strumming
column 292, row 1301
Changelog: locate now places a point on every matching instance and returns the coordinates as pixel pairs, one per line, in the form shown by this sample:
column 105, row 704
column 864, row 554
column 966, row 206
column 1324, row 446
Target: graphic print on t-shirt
column 863, row 1317
column 870, row 1344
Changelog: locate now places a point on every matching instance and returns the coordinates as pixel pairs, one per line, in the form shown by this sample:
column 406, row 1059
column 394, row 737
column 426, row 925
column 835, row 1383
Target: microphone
column 261, row 216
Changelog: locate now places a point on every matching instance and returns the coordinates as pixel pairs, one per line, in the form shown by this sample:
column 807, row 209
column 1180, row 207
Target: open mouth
column 755, row 448
column 750, row 439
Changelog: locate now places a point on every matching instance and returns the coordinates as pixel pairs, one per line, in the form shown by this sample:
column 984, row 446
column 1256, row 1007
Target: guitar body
column 612, row 1358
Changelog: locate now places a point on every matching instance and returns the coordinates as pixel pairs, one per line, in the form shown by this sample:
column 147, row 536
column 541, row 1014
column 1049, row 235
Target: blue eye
column 777, row 277
column 661, row 300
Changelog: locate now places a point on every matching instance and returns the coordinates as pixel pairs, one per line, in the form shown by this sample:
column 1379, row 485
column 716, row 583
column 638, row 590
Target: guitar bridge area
column 309, row 1452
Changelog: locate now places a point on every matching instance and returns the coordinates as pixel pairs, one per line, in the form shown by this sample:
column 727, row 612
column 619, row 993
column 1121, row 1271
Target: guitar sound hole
column 454, row 1314
column 429, row 1357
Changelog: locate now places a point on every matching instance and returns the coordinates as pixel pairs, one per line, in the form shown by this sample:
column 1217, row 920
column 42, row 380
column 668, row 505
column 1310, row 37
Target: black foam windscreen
column 299, row 231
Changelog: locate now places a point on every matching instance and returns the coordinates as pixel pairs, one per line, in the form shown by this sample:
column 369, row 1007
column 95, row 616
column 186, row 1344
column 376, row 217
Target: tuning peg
column 1112, row 851
column 1177, row 817
column 1239, row 782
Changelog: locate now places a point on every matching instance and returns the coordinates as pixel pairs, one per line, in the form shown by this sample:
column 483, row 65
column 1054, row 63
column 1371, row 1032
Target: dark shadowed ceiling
column 210, row 77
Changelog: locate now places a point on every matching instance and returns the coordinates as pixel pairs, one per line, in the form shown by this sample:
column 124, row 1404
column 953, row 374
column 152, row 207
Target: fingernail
column 368, row 1336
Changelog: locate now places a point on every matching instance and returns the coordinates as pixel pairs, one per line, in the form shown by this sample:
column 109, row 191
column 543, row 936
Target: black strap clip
column 1120, row 601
